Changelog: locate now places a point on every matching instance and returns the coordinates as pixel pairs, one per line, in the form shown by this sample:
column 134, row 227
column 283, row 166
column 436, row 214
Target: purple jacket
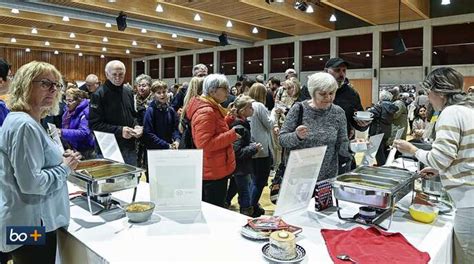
column 78, row 135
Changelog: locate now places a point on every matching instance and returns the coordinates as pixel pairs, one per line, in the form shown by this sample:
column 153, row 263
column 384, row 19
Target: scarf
column 211, row 100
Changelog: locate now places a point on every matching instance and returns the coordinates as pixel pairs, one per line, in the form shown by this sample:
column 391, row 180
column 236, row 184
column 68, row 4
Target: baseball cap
column 4, row 67
column 335, row 62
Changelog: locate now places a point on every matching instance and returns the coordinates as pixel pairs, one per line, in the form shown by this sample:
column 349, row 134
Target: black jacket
column 348, row 99
column 111, row 108
column 178, row 99
column 243, row 148
column 383, row 118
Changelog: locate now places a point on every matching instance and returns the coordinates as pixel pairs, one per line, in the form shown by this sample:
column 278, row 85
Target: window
column 154, row 69
column 208, row 60
column 253, row 60
column 356, row 50
column 315, row 53
column 139, row 68
column 282, row 57
column 413, row 39
column 228, row 62
column 452, row 45
column 186, row 64
column 168, row 67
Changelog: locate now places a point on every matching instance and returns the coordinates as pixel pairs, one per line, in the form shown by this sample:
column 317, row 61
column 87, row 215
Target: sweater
column 452, row 153
column 261, row 128
column 325, row 127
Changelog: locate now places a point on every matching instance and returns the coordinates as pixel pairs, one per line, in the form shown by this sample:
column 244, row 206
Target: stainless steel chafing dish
column 377, row 187
column 101, row 177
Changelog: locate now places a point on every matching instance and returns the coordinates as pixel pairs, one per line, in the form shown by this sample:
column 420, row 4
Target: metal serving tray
column 393, row 173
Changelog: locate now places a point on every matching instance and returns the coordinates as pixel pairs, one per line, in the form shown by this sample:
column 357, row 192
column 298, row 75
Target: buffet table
column 214, row 236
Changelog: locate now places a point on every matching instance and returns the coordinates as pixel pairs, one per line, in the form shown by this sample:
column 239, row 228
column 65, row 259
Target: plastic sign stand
column 176, row 183
column 371, row 152
column 109, row 146
column 299, row 180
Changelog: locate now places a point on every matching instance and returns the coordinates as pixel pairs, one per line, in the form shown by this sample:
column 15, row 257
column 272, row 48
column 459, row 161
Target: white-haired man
column 199, row 70
column 112, row 110
column 91, row 85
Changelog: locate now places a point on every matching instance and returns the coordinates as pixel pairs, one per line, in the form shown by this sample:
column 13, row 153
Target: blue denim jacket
column 33, row 188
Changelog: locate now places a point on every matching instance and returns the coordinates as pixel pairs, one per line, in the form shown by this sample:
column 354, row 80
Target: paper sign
column 175, row 179
column 299, row 180
column 393, row 151
column 53, row 132
column 369, row 154
column 109, row 146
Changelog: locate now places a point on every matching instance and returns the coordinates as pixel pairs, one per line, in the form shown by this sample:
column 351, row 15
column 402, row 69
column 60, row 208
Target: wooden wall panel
column 468, row 81
column 364, row 87
column 71, row 66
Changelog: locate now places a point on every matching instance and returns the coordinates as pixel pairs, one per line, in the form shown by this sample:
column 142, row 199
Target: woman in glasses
column 75, row 126
column 452, row 153
column 33, row 174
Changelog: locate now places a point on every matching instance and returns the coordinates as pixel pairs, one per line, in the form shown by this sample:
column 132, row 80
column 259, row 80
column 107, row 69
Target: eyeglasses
column 48, row 84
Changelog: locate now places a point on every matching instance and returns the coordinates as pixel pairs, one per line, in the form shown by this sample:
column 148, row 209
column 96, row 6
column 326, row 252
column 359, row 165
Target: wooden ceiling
column 88, row 18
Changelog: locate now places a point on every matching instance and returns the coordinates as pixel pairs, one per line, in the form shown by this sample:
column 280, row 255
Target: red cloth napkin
column 372, row 246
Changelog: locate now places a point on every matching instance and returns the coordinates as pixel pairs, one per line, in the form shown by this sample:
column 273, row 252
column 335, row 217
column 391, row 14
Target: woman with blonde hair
column 194, row 90
column 33, row 189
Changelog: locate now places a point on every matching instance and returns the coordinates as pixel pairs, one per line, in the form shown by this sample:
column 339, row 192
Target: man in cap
column 349, row 100
column 5, row 76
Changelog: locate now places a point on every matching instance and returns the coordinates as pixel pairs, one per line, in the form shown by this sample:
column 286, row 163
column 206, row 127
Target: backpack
column 186, row 141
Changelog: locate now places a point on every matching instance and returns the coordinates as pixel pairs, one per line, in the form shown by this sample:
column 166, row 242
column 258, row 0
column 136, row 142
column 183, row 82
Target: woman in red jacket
column 212, row 134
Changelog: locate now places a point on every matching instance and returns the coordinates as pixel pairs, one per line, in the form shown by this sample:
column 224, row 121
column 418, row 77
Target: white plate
column 300, row 254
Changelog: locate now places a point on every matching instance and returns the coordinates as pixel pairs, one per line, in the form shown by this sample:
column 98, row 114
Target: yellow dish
column 423, row 213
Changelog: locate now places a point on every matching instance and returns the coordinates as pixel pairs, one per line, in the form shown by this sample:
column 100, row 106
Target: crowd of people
column 245, row 131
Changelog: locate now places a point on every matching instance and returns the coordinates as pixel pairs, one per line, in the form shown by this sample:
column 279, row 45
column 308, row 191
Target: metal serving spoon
column 345, row 257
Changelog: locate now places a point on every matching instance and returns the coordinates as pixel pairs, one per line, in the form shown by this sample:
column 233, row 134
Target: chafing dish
column 101, row 177
column 377, row 187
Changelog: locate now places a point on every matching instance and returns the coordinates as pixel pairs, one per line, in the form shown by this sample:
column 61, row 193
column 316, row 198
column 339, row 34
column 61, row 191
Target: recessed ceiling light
column 65, row 18
column 358, row 53
column 435, row 53
column 27, row 50
column 134, row 43
column 197, row 17
column 445, row 2
column 233, row 67
column 229, row 24
column 46, row 43
column 143, row 30
column 200, row 40
column 282, row 62
column 108, row 25
column 260, row 64
column 210, row 65
column 158, row 46
column 104, row 49
column 250, row 62
column 105, row 39
column 310, row 57
column 34, row 31
column 333, row 18
column 102, row 56
column 159, row 8
column 174, row 35
column 72, row 35
column 255, row 30
column 127, row 51
column 367, row 55
column 77, row 46
column 15, row 11
column 13, row 40
column 80, row 54
column 320, row 59
column 310, row 9
column 56, row 52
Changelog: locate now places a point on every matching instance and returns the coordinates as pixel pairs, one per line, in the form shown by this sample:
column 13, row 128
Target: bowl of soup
column 138, row 212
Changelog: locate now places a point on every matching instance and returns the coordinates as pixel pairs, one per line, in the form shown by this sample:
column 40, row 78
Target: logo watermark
column 26, row 235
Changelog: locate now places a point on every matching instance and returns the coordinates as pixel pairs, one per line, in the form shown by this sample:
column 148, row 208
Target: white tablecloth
column 214, row 237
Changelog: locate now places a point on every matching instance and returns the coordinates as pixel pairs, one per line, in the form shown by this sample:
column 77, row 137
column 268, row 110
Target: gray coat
column 261, row 125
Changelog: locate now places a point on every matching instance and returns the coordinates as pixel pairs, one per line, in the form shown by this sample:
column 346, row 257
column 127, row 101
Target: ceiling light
column 229, row 24
column 56, row 52
column 127, row 51
column 80, row 54
column 13, row 40
column 250, row 62
column 144, row 30
column 333, row 18
column 255, row 30
column 280, row 1
column 65, row 18
column 197, row 17
column 46, row 43
column 367, row 55
column 15, row 11
column 108, row 25
column 111, row 1
column 320, row 59
column 282, row 62
column 174, row 35
column 210, row 65
column 233, row 67
column 445, row 2
column 310, row 57
column 134, row 43
column 200, row 40
column 105, row 39
column 260, row 64
column 158, row 46
column 102, row 56
column 104, row 49
column 310, row 9
column 358, row 53
column 72, row 35
column 27, row 50
column 159, row 8
column 435, row 53
column 34, row 31
column 77, row 46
